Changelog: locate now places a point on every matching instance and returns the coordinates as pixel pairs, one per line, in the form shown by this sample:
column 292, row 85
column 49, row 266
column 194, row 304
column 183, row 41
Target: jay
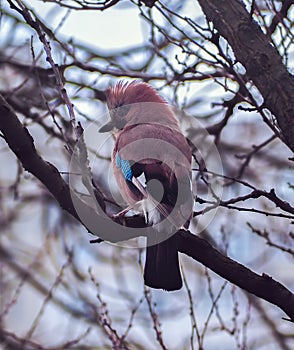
column 151, row 161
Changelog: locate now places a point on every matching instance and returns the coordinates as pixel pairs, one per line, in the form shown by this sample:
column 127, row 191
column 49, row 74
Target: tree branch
column 263, row 286
column 22, row 144
column 262, row 62
column 279, row 16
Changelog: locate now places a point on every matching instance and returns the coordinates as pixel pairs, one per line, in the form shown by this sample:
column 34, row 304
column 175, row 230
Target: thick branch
column 262, row 286
column 22, row 144
column 262, row 62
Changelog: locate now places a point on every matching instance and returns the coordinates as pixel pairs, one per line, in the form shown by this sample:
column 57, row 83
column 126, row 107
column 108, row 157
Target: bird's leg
column 121, row 213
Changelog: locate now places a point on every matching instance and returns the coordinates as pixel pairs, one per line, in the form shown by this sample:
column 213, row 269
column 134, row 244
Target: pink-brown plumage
column 149, row 139
column 147, row 105
column 128, row 93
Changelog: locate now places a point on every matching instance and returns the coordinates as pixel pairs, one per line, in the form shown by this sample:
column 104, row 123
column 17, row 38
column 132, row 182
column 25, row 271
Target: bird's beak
column 107, row 127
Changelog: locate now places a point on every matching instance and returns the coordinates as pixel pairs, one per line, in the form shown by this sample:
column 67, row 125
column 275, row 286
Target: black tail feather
column 162, row 268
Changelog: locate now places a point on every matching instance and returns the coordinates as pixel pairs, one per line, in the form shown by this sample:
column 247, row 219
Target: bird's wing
column 153, row 141
column 157, row 151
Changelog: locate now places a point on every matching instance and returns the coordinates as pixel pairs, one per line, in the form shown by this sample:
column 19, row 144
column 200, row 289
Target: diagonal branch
column 22, row 144
column 280, row 16
column 263, row 286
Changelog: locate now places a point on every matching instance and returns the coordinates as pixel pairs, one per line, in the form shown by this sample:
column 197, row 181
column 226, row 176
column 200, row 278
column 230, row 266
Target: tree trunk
column 263, row 63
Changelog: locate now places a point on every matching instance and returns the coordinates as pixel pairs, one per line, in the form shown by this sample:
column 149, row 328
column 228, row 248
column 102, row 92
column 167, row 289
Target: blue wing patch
column 124, row 166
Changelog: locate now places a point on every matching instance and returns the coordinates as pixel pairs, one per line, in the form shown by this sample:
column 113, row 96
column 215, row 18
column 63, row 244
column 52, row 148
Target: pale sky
column 115, row 28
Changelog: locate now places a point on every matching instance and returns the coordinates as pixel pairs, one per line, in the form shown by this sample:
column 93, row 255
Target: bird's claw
column 120, row 214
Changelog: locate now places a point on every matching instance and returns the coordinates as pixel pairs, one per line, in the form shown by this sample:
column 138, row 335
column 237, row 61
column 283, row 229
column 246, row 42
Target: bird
column 151, row 161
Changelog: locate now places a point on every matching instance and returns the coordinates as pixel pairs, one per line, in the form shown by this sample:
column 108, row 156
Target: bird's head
column 126, row 103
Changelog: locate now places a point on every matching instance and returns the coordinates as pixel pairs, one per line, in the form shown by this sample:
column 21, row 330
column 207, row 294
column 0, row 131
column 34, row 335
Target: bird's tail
column 162, row 268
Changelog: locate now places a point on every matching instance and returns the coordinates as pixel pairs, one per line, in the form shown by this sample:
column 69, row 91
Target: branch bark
column 263, row 63
column 21, row 143
column 263, row 286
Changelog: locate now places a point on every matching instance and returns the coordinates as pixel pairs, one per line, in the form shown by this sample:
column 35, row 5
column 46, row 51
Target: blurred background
column 58, row 291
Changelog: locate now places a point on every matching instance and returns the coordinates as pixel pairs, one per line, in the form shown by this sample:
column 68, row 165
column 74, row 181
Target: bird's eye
column 122, row 110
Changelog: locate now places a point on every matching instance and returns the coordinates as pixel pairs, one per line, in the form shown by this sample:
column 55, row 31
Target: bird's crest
column 124, row 93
